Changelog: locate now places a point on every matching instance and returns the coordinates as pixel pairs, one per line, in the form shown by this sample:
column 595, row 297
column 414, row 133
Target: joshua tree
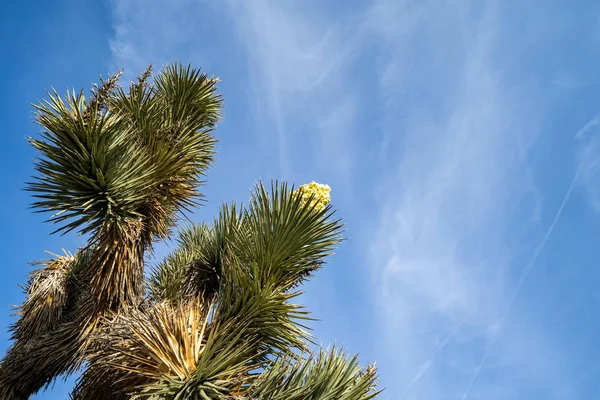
column 215, row 319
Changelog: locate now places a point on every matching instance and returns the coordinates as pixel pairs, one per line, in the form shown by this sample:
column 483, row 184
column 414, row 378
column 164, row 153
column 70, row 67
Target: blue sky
column 461, row 140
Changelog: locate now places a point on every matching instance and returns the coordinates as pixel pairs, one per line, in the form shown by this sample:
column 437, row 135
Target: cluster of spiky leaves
column 47, row 298
column 216, row 318
column 122, row 165
column 329, row 375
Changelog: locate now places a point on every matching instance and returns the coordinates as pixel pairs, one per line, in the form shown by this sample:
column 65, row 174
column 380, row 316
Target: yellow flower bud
column 321, row 194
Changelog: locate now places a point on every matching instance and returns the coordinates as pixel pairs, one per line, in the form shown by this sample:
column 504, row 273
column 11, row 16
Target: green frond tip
column 123, row 155
column 330, row 375
column 286, row 233
column 193, row 268
column 288, row 236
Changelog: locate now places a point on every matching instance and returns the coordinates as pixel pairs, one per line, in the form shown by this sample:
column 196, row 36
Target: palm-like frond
column 287, row 237
column 172, row 121
column 194, row 267
column 90, row 173
column 330, row 375
column 264, row 310
column 52, row 332
column 142, row 346
column 284, row 235
column 122, row 165
column 102, row 159
column 187, row 349
column 47, row 299
column 196, row 259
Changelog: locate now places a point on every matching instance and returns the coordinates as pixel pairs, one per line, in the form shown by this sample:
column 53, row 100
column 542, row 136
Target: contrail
column 425, row 367
column 476, row 374
column 527, row 271
column 593, row 122
column 536, row 253
column 540, row 247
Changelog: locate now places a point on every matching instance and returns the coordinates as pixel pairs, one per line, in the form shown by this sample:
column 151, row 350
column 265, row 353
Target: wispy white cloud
column 451, row 207
column 297, row 61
